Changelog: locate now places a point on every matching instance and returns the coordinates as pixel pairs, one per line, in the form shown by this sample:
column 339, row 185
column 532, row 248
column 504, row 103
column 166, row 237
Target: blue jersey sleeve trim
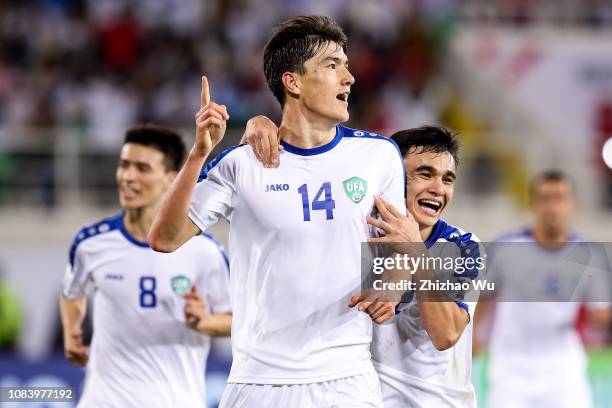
column 464, row 307
column 348, row 132
column 88, row 231
column 317, row 150
column 468, row 247
column 219, row 247
column 216, row 161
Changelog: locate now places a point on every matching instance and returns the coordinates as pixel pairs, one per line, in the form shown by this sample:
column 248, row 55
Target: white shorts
column 359, row 391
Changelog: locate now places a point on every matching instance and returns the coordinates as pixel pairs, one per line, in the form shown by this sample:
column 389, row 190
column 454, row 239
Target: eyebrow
column 431, row 169
column 337, row 60
column 134, row 162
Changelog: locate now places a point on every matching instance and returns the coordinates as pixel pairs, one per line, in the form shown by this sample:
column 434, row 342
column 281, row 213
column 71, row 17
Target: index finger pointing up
column 205, row 95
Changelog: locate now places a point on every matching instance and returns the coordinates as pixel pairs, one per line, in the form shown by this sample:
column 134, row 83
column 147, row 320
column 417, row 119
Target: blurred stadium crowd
column 102, row 65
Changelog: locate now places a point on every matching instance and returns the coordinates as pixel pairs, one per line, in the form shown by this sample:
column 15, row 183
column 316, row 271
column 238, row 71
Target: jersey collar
column 128, row 236
column 317, row 150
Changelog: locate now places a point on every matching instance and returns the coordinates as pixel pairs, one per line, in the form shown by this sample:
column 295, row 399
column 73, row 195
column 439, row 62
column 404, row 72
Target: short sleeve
column 214, row 278
column 471, row 248
column 215, row 193
column 77, row 276
column 394, row 184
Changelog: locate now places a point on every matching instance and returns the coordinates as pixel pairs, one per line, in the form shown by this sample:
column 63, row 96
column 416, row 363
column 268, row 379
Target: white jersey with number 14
column 295, row 241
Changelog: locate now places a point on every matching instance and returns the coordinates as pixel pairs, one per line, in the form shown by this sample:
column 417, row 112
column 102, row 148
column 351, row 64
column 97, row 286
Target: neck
column 549, row 236
column 138, row 222
column 302, row 129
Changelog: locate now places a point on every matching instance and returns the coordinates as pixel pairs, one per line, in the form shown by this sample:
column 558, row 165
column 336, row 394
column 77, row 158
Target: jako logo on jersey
column 277, row 187
column 355, row 188
column 180, row 284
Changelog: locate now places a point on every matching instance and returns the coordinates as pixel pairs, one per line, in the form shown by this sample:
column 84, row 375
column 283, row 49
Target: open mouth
column 129, row 192
column 432, row 207
column 343, row 96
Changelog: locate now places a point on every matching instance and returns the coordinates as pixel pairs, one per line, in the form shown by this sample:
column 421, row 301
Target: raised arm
column 172, row 226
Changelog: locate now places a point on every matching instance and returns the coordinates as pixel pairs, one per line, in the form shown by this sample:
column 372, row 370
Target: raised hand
column 210, row 122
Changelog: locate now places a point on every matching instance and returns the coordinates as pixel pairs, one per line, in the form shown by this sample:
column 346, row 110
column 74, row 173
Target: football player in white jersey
column 423, row 356
column 536, row 356
column 295, row 230
column 153, row 313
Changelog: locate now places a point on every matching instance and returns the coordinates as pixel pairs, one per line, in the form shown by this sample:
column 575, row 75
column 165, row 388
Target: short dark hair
column 550, row 175
column 292, row 43
column 436, row 139
column 162, row 138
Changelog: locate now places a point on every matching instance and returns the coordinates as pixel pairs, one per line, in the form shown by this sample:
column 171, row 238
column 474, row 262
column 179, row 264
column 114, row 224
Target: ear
column 292, row 84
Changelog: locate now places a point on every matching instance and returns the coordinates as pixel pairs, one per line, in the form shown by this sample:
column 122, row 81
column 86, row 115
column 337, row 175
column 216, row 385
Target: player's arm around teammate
column 172, row 226
column 443, row 320
column 263, row 136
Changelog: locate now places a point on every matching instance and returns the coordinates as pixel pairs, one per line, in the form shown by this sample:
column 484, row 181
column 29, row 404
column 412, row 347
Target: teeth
column 435, row 204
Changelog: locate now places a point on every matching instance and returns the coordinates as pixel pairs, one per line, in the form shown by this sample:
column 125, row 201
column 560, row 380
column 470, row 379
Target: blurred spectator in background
column 75, row 73
column 101, row 65
column 537, row 357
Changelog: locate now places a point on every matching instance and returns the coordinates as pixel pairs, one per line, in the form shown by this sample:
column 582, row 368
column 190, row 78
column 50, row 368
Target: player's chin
column 340, row 114
column 343, row 115
column 340, row 117
column 129, row 204
column 426, row 220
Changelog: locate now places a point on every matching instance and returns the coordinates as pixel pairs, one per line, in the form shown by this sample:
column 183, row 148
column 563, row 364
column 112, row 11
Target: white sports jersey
column 295, row 234
column 142, row 351
column 412, row 372
column 535, row 352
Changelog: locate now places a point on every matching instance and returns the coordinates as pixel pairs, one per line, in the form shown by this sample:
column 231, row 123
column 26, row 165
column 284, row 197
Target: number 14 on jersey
column 326, row 203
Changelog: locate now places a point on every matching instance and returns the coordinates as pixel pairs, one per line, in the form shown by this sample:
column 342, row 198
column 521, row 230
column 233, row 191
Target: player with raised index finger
column 295, row 251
